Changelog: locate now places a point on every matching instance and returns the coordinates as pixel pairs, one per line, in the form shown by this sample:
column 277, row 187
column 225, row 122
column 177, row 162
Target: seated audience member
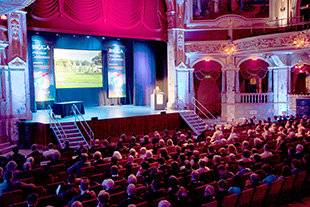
column 109, row 186
column 9, row 185
column 96, row 147
column 211, row 152
column 32, row 200
column 79, row 165
column 106, row 151
column 269, row 176
column 133, row 152
column 224, row 173
column 114, row 173
column 118, row 155
column 67, row 148
column 173, row 185
column 253, row 181
column 187, row 169
column 34, row 151
column 257, row 162
column 85, row 193
column 144, row 169
column 223, row 191
column 242, row 169
column 296, row 166
column 142, row 152
column 11, row 166
column 286, row 171
column 237, row 185
column 208, row 195
column 163, row 152
column 67, row 192
column 32, row 163
column 132, row 179
column 183, row 199
column 164, row 203
column 155, row 139
column 145, row 141
column 120, row 147
column 202, row 166
column 290, row 156
column 149, row 157
column 103, row 199
column 266, row 152
column 130, row 163
column 246, row 156
column 306, row 163
column 98, row 159
column 162, row 165
column 155, row 191
column 113, row 162
column 195, row 182
column 299, row 151
column 133, row 142
column 132, row 198
column 50, row 152
column 76, row 204
column 175, row 169
column 232, row 149
column 166, row 135
column 25, row 173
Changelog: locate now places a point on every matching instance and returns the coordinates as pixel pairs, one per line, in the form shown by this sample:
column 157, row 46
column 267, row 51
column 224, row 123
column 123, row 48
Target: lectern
column 158, row 101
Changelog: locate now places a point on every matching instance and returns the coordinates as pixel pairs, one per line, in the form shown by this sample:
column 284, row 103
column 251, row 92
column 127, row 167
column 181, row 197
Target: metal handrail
column 82, row 121
column 55, row 122
column 194, row 101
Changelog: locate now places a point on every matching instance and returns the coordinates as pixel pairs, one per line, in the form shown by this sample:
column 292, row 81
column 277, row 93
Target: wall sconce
column 207, row 59
column 300, row 40
column 230, row 48
column 254, row 58
column 4, row 17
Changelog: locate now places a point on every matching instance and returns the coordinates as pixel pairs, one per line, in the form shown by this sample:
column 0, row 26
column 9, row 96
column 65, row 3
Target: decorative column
column 176, row 50
column 269, row 81
column 16, row 84
column 280, row 78
column 228, row 105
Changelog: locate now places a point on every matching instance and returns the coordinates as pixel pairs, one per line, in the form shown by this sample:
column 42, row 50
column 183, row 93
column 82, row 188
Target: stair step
column 8, row 148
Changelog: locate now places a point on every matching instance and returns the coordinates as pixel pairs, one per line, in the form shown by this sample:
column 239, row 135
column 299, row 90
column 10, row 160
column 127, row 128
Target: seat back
column 116, row 198
column 298, row 182
column 47, row 200
column 230, row 200
column 206, row 177
column 102, row 167
column 259, row 195
column 52, row 187
column 90, row 203
column 11, row 197
column 245, row 198
column 19, row 204
column 273, row 191
column 211, row 204
column 86, row 171
column 56, row 169
column 96, row 188
column 96, row 178
column 287, row 186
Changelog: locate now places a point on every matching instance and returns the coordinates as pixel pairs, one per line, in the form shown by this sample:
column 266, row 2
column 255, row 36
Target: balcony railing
column 254, row 97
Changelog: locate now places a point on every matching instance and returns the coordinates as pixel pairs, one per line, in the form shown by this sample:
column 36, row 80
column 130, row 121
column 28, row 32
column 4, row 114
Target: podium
column 158, row 101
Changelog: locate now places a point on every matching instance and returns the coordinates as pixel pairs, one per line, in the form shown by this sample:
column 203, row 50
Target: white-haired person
column 149, row 157
column 299, row 151
column 164, row 203
column 109, row 186
column 208, row 195
column 142, row 152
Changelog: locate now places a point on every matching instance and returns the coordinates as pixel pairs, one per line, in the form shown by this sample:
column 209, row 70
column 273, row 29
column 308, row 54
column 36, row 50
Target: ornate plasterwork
column 260, row 44
column 8, row 6
column 17, row 63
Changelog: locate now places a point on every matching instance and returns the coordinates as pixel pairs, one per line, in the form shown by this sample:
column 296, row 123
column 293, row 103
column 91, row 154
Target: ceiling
column 7, row 6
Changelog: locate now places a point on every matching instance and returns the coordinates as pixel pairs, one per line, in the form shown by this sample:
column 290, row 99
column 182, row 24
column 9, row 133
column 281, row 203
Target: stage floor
column 102, row 112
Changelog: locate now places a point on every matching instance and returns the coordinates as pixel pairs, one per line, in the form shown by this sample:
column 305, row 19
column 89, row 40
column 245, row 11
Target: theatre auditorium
column 160, row 103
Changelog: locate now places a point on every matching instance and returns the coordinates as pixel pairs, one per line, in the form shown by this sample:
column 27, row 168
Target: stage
column 112, row 121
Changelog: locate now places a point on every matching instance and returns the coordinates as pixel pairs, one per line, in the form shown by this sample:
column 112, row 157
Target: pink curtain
column 132, row 17
column 207, row 68
column 254, row 67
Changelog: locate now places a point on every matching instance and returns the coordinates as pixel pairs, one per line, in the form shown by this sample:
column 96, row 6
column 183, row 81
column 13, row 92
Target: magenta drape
column 140, row 17
column 253, row 67
column 210, row 68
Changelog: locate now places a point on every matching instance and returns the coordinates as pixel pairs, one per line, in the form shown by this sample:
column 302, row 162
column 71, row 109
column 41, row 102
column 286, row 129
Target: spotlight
column 103, row 38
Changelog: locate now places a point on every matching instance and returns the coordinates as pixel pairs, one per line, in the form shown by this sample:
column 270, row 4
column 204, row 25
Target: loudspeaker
column 94, row 118
column 163, row 112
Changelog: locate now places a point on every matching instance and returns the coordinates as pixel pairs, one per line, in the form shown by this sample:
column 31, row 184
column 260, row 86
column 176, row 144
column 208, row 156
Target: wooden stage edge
column 40, row 133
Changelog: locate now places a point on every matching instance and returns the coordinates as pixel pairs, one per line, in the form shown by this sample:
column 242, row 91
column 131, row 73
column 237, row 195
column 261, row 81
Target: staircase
column 71, row 131
column 193, row 120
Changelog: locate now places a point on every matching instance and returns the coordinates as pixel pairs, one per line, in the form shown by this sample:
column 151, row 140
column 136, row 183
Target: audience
column 171, row 166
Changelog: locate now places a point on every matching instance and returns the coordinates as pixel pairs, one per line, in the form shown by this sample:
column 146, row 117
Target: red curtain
column 295, row 71
column 144, row 19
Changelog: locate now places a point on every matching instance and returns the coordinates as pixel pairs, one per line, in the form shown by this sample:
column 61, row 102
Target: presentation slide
column 78, row 68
